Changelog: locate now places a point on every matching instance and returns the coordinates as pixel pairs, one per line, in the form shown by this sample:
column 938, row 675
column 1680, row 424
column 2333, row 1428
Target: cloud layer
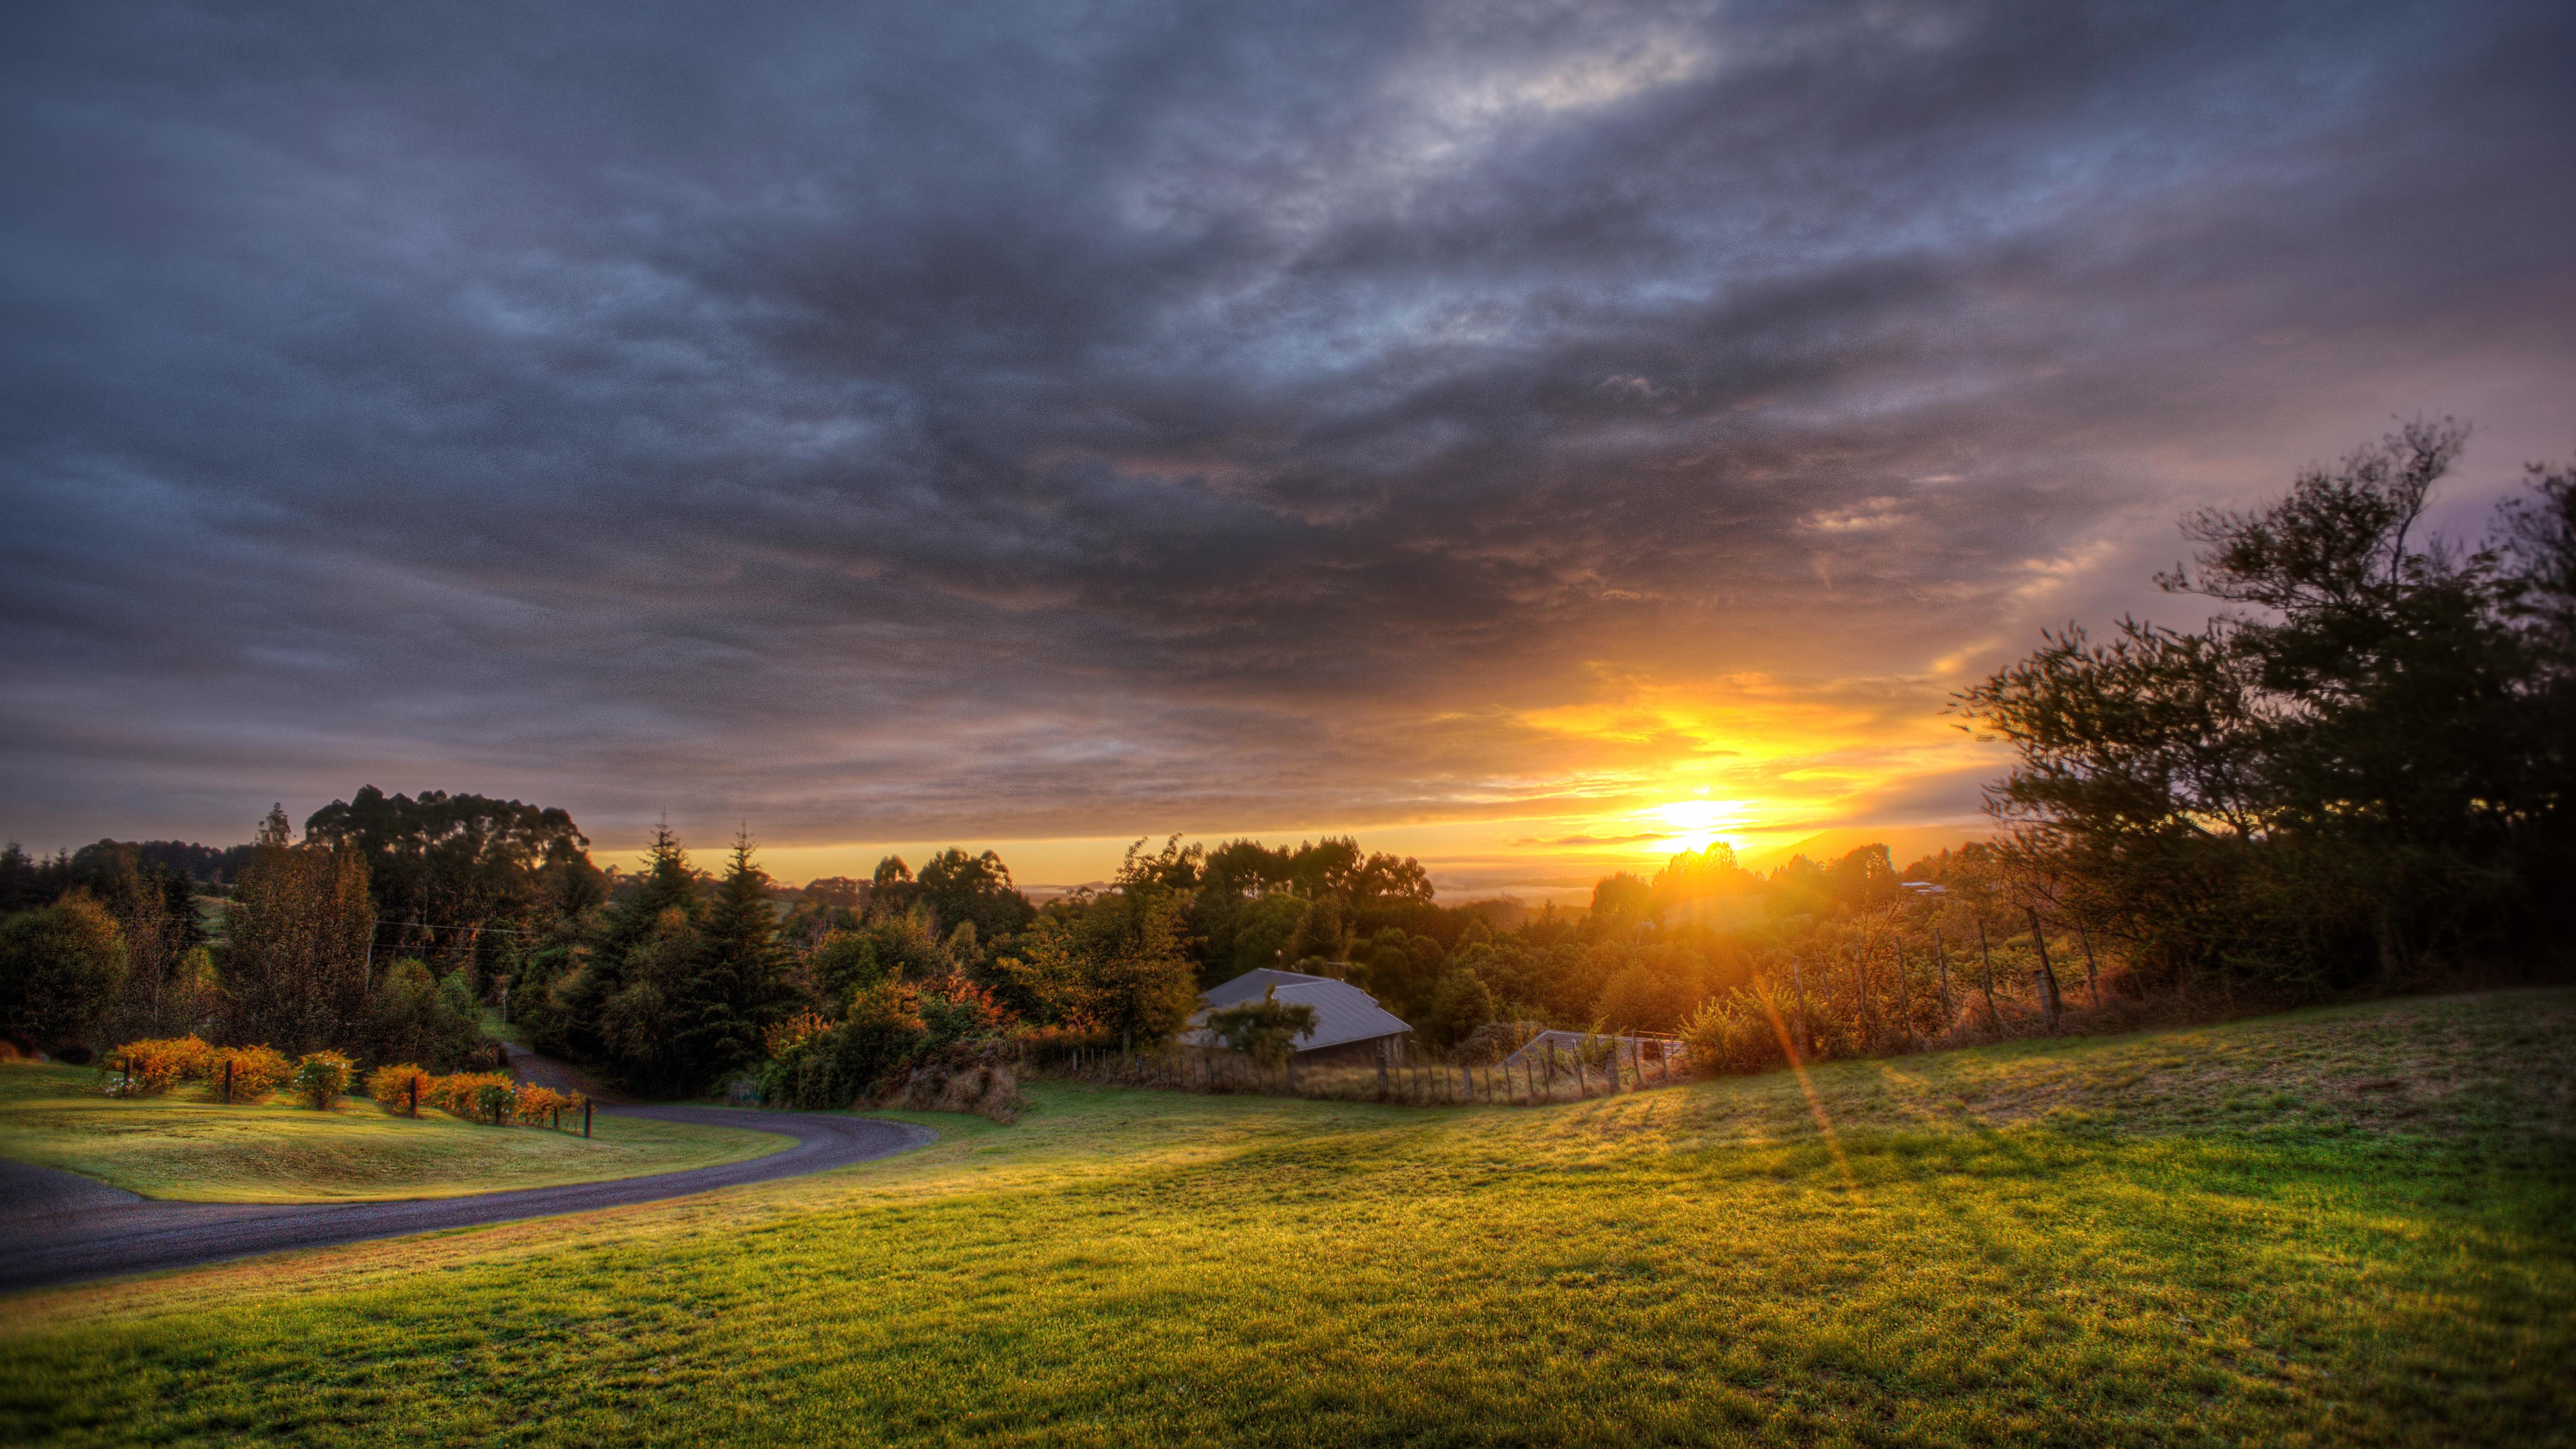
column 973, row 421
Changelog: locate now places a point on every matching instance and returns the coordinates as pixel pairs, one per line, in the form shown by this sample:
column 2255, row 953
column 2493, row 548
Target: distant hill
column 1905, row 844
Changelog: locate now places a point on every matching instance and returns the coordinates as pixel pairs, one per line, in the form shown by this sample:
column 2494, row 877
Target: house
column 1349, row 1024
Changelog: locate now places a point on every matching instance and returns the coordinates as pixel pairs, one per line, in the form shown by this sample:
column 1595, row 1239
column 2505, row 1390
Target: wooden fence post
column 1987, row 957
column 228, row 1085
column 1806, row 1034
column 2047, row 973
column 1381, row 1070
column 1941, row 958
column 1860, row 975
column 585, row 1116
column 1904, row 998
column 413, row 1084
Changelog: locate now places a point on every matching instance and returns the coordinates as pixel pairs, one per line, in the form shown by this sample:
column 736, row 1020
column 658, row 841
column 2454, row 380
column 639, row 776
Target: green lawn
column 2349, row 1226
column 178, row 1146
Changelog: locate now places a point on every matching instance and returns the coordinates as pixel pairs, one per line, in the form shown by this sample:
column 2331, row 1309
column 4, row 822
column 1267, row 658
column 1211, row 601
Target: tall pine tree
column 634, row 942
column 738, row 986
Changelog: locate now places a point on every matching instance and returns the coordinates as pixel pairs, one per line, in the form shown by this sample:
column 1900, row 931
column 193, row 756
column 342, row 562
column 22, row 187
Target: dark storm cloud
column 969, row 419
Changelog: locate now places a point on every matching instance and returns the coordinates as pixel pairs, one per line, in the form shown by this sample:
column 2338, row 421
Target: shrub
column 460, row 1094
column 832, row 1065
column 150, row 1067
column 1266, row 1030
column 535, row 1106
column 1732, row 1034
column 321, row 1077
column 493, row 1100
column 795, row 1032
column 257, row 1071
column 1495, row 1040
column 393, row 1087
column 983, row 1087
column 954, row 1009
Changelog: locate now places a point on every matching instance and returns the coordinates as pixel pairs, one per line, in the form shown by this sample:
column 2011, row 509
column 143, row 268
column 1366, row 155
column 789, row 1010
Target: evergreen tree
column 637, row 939
column 738, row 986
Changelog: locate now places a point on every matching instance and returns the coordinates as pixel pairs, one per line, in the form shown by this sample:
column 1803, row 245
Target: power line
column 433, row 926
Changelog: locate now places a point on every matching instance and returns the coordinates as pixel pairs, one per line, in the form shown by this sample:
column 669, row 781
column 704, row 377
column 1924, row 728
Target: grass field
column 177, row 1146
column 2348, row 1226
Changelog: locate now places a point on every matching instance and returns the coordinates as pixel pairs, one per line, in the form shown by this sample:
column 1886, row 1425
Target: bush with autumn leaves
column 475, row 1096
column 152, row 1067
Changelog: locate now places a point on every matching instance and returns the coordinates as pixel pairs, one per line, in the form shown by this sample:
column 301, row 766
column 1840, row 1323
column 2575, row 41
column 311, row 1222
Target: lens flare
column 1697, row 824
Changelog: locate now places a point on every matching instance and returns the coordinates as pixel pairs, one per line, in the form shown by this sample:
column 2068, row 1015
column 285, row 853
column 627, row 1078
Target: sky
column 1535, row 438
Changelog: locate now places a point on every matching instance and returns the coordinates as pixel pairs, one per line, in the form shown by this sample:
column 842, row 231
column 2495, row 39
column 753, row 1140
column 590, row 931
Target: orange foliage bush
column 257, row 1071
column 460, row 1094
column 392, row 1086
column 795, row 1031
column 537, row 1105
column 147, row 1068
column 162, row 1063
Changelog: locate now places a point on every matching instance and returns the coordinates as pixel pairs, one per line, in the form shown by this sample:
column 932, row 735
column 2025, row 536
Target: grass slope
column 2349, row 1226
column 179, row 1147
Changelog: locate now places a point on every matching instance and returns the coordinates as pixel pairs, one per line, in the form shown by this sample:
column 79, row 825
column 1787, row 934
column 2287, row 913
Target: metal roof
column 1343, row 1012
column 1673, row 1048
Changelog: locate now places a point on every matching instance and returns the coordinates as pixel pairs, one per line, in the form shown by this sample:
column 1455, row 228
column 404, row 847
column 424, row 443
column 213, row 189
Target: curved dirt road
column 58, row 1227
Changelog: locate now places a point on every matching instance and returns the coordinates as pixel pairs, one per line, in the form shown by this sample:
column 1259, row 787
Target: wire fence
column 1574, row 1067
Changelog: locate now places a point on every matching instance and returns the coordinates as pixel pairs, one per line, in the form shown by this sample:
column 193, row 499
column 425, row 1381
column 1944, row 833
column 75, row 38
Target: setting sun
column 1697, row 824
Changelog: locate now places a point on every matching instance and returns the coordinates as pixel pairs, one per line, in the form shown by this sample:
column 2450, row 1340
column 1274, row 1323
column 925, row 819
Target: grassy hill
column 177, row 1146
column 2346, row 1226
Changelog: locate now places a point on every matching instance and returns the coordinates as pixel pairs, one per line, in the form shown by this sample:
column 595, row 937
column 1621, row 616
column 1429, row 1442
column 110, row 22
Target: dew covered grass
column 2237, row 1234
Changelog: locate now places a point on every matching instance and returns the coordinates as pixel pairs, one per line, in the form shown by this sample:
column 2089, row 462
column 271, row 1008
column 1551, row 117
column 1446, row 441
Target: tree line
column 2355, row 773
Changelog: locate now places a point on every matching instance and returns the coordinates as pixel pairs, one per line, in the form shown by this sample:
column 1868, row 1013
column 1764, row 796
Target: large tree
column 975, row 890
column 60, row 970
column 2353, row 765
column 737, row 986
column 297, row 939
column 453, row 875
column 610, row 1004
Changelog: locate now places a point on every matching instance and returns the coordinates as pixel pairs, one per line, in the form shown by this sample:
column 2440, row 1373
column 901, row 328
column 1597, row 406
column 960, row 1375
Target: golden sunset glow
column 1622, row 779
column 1698, row 824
